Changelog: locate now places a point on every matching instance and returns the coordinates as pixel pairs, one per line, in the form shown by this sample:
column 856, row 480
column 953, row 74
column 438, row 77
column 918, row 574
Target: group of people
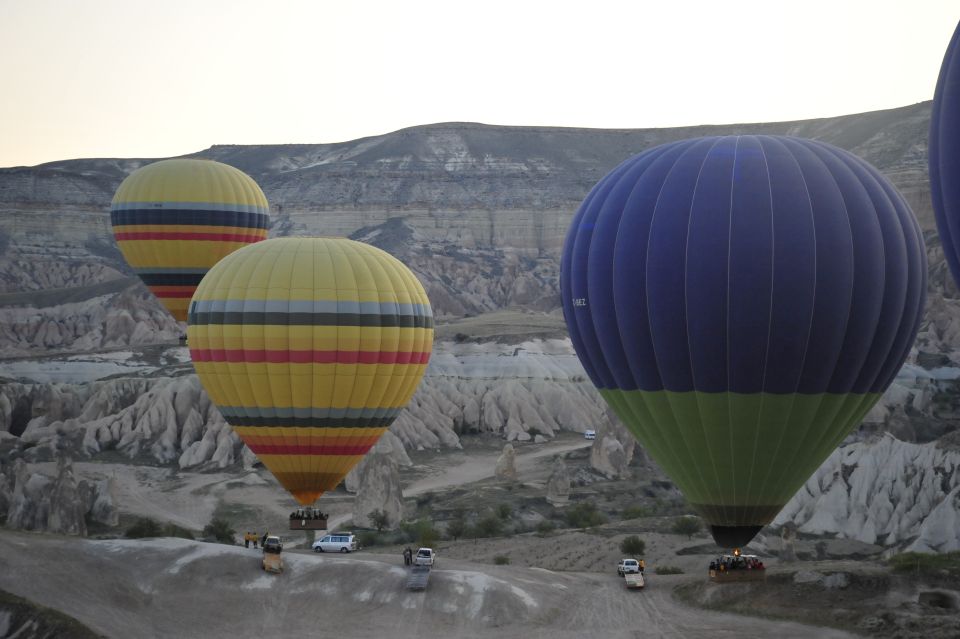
column 725, row 563
column 308, row 513
column 252, row 537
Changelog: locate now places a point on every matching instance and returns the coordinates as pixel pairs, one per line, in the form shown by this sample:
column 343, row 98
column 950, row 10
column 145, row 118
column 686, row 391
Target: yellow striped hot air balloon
column 310, row 348
column 174, row 219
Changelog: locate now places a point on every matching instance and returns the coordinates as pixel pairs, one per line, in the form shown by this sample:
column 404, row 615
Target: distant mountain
column 478, row 211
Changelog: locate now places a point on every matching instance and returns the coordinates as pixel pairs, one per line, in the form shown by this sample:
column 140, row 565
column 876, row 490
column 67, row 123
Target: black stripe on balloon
column 189, row 217
column 171, row 279
column 312, row 422
column 310, row 319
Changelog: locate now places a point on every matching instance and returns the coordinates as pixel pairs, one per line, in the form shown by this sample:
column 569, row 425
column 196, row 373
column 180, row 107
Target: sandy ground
column 180, row 588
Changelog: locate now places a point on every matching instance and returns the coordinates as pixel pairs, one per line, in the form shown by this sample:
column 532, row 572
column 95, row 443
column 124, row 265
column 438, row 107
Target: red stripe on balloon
column 266, row 449
column 172, row 235
column 186, row 292
column 307, row 357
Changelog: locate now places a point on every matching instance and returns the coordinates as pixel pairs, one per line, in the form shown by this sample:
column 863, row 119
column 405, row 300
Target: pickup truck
column 272, row 560
column 626, row 566
column 425, row 557
column 634, row 580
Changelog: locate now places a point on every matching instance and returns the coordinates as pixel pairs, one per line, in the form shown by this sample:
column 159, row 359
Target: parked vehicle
column 336, row 542
column 589, row 434
column 634, row 580
column 272, row 560
column 626, row 566
column 425, row 557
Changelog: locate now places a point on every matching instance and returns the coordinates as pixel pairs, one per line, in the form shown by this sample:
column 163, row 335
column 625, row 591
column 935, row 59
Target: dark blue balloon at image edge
column 741, row 302
column 944, row 155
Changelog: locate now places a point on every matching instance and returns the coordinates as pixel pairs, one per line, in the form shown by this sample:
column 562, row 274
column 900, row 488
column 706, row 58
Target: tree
column 633, row 545
column 380, row 520
column 504, row 511
column 456, row 528
column 584, row 515
column 489, row 526
column 144, row 527
column 220, row 530
column 688, row 526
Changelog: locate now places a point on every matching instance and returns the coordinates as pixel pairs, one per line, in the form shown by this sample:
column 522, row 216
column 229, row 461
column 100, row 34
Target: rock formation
column 612, row 450
column 558, row 485
column 378, row 489
column 885, row 491
column 507, row 463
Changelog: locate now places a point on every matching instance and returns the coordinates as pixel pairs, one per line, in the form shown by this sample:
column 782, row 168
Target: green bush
column 380, row 520
column 688, row 526
column 173, row 530
column 220, row 530
column 584, row 515
column 368, row 538
column 545, row 527
column 420, row 531
column 456, row 528
column 633, row 545
column 635, row 512
column 668, row 570
column 144, row 527
column 501, row 560
column 504, row 511
column 947, row 564
column 489, row 526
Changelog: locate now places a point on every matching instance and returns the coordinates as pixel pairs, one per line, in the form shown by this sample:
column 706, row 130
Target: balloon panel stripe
column 307, row 449
column 311, row 356
column 170, row 292
column 310, row 319
column 190, row 217
column 170, row 279
column 310, row 422
column 122, row 236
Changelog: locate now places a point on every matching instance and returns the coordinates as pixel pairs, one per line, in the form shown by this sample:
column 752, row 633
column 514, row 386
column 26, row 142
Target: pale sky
column 139, row 78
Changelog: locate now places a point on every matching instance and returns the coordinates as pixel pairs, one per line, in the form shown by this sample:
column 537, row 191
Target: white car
column 627, row 566
column 589, row 434
column 336, row 542
column 425, row 557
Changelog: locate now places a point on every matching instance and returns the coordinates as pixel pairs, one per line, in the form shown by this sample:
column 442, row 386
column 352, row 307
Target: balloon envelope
column 944, row 155
column 174, row 219
column 741, row 302
column 310, row 348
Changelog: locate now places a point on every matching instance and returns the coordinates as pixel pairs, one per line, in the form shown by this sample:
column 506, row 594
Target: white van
column 336, row 542
column 589, row 434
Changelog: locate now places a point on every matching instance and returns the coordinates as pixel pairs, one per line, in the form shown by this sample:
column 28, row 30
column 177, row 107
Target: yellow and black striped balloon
column 174, row 219
column 310, row 348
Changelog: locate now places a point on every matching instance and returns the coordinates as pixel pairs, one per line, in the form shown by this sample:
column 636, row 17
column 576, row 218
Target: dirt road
column 180, row 588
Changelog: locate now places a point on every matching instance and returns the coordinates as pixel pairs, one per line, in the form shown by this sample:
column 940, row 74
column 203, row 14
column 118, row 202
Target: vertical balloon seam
column 702, row 485
column 831, row 408
column 398, row 395
column 640, row 399
column 356, row 263
column 652, row 436
column 919, row 259
column 894, row 222
column 304, row 462
column 343, row 290
column 729, row 403
column 683, row 410
column 853, row 405
column 753, row 499
column 701, row 414
column 948, row 225
column 792, row 396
